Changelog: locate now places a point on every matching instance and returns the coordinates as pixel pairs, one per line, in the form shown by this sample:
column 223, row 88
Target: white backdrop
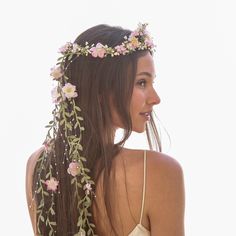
column 195, row 65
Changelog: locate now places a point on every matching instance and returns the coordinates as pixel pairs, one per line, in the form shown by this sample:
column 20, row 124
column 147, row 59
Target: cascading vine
column 67, row 122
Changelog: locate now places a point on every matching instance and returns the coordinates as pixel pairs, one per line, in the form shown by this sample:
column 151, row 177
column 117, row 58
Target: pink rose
column 73, row 169
column 52, row 184
column 121, row 49
column 98, row 51
column 149, row 43
column 134, row 33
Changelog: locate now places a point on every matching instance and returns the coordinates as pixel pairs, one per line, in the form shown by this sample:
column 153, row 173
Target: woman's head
column 108, row 93
column 144, row 96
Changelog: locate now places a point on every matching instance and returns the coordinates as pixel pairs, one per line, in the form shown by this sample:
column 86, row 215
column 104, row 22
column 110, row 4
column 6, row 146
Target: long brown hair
column 99, row 81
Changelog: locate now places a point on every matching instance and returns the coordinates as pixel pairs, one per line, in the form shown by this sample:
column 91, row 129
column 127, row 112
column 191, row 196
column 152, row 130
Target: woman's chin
column 139, row 129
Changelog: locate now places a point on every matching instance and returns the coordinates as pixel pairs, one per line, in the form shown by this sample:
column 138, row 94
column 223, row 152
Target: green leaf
column 67, row 114
column 66, row 77
column 52, row 211
column 79, row 222
column 80, row 147
column 62, row 122
column 69, row 126
column 42, row 202
column 71, row 55
column 77, row 108
column 41, row 205
column 41, row 218
column 51, row 232
column 86, row 170
column 53, row 223
column 83, row 159
column 89, row 232
column 87, row 198
column 76, row 124
column 76, row 139
column 39, row 190
column 47, row 175
column 73, row 180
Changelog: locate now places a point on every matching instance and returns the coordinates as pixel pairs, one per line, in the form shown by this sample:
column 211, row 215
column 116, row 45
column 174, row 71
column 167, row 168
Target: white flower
column 69, row 90
column 75, row 48
column 87, row 188
column 56, row 72
column 56, row 96
column 65, row 48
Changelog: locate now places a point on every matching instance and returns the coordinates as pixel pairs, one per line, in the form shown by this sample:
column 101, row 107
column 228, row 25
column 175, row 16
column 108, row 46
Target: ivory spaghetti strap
column 140, row 230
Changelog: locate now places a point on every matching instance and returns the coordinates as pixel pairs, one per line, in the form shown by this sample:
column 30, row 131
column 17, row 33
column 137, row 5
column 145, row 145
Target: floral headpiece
column 67, row 122
column 137, row 40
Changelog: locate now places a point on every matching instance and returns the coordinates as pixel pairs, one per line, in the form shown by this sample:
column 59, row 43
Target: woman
column 81, row 182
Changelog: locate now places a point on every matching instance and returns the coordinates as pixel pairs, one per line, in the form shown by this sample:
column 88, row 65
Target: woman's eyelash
column 142, row 82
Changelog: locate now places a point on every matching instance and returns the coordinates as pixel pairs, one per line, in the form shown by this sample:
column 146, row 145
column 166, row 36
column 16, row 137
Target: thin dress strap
column 144, row 186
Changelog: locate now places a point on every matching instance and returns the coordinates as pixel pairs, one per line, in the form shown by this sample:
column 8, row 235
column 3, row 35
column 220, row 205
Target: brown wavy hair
column 98, row 81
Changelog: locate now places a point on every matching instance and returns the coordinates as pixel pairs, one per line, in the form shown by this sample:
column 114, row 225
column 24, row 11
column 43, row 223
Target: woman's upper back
column 163, row 199
column 159, row 190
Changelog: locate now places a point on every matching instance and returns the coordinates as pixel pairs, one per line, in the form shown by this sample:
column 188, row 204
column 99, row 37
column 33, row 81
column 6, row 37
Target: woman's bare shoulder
column 156, row 161
column 31, row 162
column 163, row 172
column 163, row 163
column 165, row 195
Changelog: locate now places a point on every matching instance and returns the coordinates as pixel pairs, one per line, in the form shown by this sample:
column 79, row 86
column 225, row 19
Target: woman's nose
column 153, row 98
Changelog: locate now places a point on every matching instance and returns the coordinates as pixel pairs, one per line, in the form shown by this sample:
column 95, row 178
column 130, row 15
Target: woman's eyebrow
column 147, row 74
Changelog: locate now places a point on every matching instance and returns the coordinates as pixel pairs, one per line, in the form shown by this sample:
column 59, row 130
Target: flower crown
column 137, row 40
column 67, row 122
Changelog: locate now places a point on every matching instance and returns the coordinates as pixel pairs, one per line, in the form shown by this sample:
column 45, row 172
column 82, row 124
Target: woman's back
column 156, row 182
column 160, row 189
